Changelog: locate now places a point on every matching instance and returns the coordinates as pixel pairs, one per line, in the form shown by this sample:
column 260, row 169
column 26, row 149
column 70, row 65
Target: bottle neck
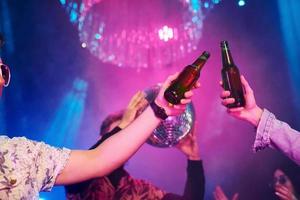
column 199, row 63
column 226, row 57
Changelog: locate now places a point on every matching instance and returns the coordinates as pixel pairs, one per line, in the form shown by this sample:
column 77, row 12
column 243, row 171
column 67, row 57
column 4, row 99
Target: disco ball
column 170, row 131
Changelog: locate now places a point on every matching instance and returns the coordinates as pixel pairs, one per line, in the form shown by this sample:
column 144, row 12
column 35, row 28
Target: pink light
column 83, row 45
column 166, row 33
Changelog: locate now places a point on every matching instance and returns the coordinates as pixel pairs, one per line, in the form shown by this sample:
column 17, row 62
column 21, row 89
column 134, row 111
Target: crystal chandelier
column 139, row 33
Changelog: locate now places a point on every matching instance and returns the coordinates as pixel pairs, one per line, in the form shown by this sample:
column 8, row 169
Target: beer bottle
column 231, row 77
column 185, row 80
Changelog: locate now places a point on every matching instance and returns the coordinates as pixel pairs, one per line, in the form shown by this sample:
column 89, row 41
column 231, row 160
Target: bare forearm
column 84, row 165
column 118, row 148
column 255, row 116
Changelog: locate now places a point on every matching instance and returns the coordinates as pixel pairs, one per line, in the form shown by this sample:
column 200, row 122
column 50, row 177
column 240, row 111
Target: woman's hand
column 250, row 112
column 169, row 108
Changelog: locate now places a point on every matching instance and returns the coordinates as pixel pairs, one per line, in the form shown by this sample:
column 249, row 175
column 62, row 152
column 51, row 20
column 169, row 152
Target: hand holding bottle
column 231, row 77
column 170, row 109
column 186, row 80
column 250, row 112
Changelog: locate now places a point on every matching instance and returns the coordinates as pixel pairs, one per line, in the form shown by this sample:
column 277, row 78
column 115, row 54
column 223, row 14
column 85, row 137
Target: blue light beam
column 66, row 123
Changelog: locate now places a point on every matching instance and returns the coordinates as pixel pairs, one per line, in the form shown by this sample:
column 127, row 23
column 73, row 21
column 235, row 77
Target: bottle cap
column 224, row 44
column 205, row 54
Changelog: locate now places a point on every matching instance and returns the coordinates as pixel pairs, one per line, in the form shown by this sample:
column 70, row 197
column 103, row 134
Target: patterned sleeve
column 50, row 162
column 276, row 134
column 28, row 167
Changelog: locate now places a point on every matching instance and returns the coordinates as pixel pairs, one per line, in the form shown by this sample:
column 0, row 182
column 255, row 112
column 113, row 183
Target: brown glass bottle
column 231, row 77
column 185, row 80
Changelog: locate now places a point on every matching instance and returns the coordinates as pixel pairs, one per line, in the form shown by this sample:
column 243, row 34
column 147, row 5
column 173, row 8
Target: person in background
column 270, row 132
column 28, row 167
column 120, row 185
column 283, row 186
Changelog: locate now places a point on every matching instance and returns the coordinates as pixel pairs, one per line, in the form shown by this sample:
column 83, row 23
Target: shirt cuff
column 262, row 139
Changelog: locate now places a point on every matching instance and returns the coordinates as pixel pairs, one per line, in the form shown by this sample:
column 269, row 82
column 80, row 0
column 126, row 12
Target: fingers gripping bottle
column 185, row 80
column 231, row 77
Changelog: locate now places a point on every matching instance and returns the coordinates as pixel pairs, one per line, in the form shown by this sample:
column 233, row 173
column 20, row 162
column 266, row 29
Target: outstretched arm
column 270, row 132
column 83, row 165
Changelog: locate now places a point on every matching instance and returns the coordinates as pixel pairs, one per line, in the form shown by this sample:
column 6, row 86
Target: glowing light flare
column 206, row 5
column 63, row 2
column 216, row 1
column 166, row 33
column 97, row 36
column 241, row 2
column 195, row 5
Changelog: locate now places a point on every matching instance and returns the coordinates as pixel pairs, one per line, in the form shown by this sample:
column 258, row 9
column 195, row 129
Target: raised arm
column 83, row 165
column 270, row 132
column 195, row 183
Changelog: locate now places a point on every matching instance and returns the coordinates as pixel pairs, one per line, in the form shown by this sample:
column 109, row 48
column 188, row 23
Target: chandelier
column 139, row 33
